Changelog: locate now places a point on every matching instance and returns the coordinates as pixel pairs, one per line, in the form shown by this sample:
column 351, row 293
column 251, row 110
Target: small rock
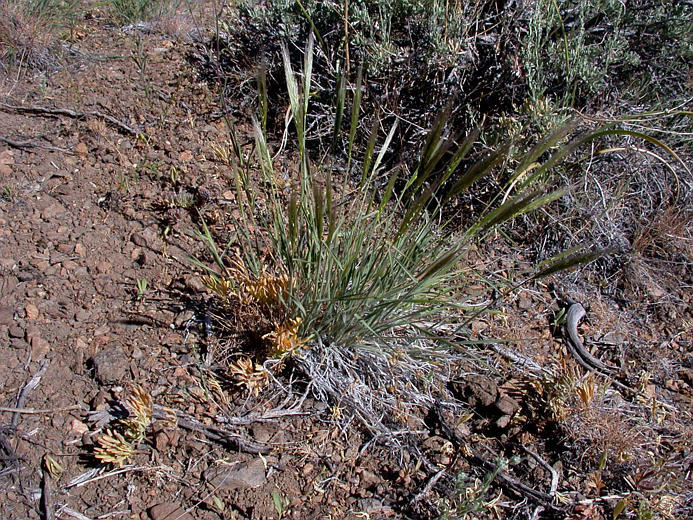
column 110, row 365
column 476, row 390
column 507, row 405
column 238, row 476
column 31, row 310
column 80, row 250
column 39, row 347
column 168, row 511
column 15, row 330
column 7, row 316
column 54, row 210
column 81, row 149
column 261, row 432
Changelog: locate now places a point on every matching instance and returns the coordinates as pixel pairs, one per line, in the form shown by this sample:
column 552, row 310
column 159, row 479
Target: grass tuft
column 362, row 289
column 30, row 30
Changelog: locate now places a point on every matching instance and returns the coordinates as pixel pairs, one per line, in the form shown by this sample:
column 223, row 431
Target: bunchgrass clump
column 31, row 29
column 132, row 11
column 361, row 285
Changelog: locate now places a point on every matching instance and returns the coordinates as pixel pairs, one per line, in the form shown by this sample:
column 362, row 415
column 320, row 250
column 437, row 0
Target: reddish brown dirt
column 83, row 217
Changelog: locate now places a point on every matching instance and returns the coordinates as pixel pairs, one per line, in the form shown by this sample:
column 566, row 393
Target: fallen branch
column 23, row 145
column 40, row 410
column 220, row 435
column 35, row 109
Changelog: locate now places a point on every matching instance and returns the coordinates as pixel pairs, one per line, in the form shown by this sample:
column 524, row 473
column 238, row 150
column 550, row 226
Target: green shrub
column 586, row 53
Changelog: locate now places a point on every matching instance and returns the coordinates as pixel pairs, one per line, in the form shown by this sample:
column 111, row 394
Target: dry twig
column 24, row 393
column 220, row 435
column 35, row 109
column 32, row 144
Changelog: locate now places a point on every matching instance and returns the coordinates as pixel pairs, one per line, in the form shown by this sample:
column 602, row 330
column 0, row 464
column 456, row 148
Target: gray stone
column 243, row 475
column 110, row 365
column 148, row 237
column 169, row 511
column 15, row 330
column 6, row 316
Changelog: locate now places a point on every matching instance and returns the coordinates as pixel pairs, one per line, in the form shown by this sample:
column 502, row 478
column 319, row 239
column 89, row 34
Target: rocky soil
column 105, row 168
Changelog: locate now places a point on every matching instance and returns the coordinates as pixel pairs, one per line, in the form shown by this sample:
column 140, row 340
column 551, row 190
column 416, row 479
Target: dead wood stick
column 429, row 485
column 40, row 410
column 22, row 145
column 24, row 393
column 35, row 109
column 220, row 435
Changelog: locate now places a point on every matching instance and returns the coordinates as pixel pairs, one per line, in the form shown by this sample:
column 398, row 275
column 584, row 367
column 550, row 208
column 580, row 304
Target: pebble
column 7, row 316
column 244, row 475
column 32, row 311
column 168, row 511
column 39, row 347
column 110, row 365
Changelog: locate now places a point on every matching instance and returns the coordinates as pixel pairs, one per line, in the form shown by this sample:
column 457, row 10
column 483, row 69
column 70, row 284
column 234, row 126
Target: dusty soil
column 91, row 205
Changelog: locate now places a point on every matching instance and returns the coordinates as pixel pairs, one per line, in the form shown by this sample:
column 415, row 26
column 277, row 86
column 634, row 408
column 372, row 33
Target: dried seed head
column 249, row 375
column 114, row 448
column 284, row 339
